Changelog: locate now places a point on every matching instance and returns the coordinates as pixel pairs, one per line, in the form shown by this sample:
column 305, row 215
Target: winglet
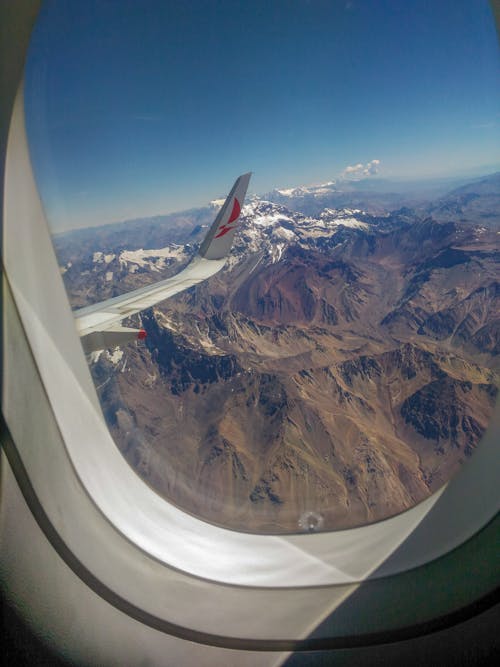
column 219, row 239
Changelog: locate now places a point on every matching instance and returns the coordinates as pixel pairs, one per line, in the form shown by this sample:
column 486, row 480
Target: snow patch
column 154, row 259
column 352, row 222
column 115, row 356
column 277, row 252
column 345, row 217
column 94, row 356
column 267, row 220
column 100, row 258
column 285, row 233
column 217, row 203
column 303, row 190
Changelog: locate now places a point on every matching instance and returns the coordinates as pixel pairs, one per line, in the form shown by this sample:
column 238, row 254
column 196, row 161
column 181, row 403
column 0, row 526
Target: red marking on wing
column 235, row 213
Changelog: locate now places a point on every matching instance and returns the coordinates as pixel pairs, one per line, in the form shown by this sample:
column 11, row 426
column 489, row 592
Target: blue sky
column 140, row 108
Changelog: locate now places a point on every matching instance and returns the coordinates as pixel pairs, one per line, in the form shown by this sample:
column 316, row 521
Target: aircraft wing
column 99, row 325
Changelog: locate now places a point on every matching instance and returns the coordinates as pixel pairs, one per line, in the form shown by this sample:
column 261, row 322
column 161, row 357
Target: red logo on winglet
column 235, row 214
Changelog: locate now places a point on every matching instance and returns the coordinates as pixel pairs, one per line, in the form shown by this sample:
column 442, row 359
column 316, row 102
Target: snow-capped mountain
column 265, row 227
column 374, row 195
column 270, row 228
column 303, row 190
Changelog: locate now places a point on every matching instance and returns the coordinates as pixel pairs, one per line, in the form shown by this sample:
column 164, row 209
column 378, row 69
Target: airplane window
column 341, row 363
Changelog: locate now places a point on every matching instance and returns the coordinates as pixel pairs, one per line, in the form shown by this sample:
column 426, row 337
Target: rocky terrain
column 343, row 363
column 478, row 201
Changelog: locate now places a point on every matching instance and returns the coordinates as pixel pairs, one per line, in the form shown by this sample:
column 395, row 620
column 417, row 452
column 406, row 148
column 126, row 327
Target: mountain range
column 343, row 363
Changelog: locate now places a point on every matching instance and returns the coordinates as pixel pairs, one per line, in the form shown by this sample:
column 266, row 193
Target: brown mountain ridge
column 350, row 377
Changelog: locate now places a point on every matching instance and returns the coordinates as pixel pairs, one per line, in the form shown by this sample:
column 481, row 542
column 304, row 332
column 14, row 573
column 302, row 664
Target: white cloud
column 361, row 170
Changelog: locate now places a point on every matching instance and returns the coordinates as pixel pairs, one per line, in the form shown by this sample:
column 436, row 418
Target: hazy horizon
column 414, row 185
column 142, row 109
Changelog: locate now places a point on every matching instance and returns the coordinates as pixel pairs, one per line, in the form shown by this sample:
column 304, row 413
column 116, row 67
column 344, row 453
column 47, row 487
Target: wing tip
column 245, row 177
column 218, row 241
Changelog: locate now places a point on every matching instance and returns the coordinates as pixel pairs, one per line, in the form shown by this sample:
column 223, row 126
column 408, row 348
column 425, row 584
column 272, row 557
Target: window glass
column 342, row 366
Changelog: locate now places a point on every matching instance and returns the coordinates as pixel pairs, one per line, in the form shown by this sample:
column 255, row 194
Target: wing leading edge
column 100, row 325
